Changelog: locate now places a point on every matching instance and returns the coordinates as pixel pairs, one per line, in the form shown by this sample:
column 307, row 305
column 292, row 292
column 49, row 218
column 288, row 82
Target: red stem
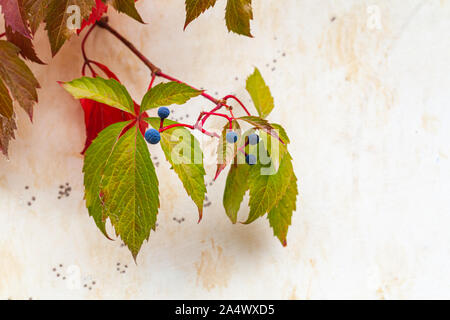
column 3, row 34
column 151, row 82
column 83, row 50
column 218, row 107
column 103, row 23
column 176, row 125
column 239, row 101
column 205, row 95
column 221, row 115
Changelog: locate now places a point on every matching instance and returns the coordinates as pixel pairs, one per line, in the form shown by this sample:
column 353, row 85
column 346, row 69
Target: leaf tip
column 186, row 25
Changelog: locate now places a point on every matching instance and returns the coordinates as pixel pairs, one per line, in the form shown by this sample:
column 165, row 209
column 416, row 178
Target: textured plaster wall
column 367, row 110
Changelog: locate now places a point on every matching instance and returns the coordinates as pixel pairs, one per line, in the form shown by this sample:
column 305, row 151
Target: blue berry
column 232, row 137
column 163, row 112
column 250, row 159
column 253, row 139
column 152, row 136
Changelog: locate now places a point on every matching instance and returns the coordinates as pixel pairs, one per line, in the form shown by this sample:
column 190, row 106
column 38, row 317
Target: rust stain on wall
column 430, row 123
column 361, row 49
column 293, row 295
column 11, row 271
column 214, row 268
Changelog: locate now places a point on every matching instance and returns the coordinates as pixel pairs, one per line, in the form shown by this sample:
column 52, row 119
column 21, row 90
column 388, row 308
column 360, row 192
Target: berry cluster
column 153, row 136
column 252, row 139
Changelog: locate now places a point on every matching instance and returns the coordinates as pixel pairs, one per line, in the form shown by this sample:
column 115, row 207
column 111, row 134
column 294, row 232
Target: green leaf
column 129, row 190
column 183, row 152
column 6, row 105
column 195, row 8
column 276, row 149
column 281, row 133
column 128, row 7
column 235, row 189
column 260, row 93
column 266, row 189
column 166, row 94
column 280, row 216
column 109, row 92
column 227, row 151
column 35, row 11
column 57, row 17
column 238, row 15
column 95, row 160
column 18, row 77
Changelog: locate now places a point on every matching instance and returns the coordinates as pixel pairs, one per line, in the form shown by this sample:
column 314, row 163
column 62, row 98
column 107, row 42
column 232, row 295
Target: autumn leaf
column 281, row 215
column 99, row 116
column 195, row 8
column 7, row 128
column 183, row 152
column 18, row 77
column 129, row 190
column 95, row 160
column 24, row 44
column 166, row 94
column 109, row 92
column 97, row 13
column 260, row 93
column 57, row 17
column 238, row 15
column 128, row 7
column 235, row 189
column 15, row 17
column 36, row 12
column 6, row 104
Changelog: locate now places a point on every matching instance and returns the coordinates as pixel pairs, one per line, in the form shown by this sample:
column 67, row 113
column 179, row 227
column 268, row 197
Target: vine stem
column 2, row 34
column 87, row 62
column 103, row 23
column 176, row 125
column 238, row 101
column 156, row 71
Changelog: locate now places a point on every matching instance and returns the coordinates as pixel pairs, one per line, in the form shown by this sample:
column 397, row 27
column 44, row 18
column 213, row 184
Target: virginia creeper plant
column 119, row 176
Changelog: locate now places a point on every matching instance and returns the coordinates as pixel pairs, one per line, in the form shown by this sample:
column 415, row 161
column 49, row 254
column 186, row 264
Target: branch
column 103, row 23
column 156, row 71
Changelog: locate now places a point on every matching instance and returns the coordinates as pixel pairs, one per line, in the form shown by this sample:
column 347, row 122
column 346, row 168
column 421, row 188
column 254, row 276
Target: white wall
column 367, row 110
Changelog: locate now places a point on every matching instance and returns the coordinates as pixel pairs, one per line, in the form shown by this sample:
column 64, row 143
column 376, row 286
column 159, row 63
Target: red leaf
column 97, row 12
column 14, row 17
column 98, row 116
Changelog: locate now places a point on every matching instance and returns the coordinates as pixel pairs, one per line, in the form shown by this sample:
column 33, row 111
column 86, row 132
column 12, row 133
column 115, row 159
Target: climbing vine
column 120, row 180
